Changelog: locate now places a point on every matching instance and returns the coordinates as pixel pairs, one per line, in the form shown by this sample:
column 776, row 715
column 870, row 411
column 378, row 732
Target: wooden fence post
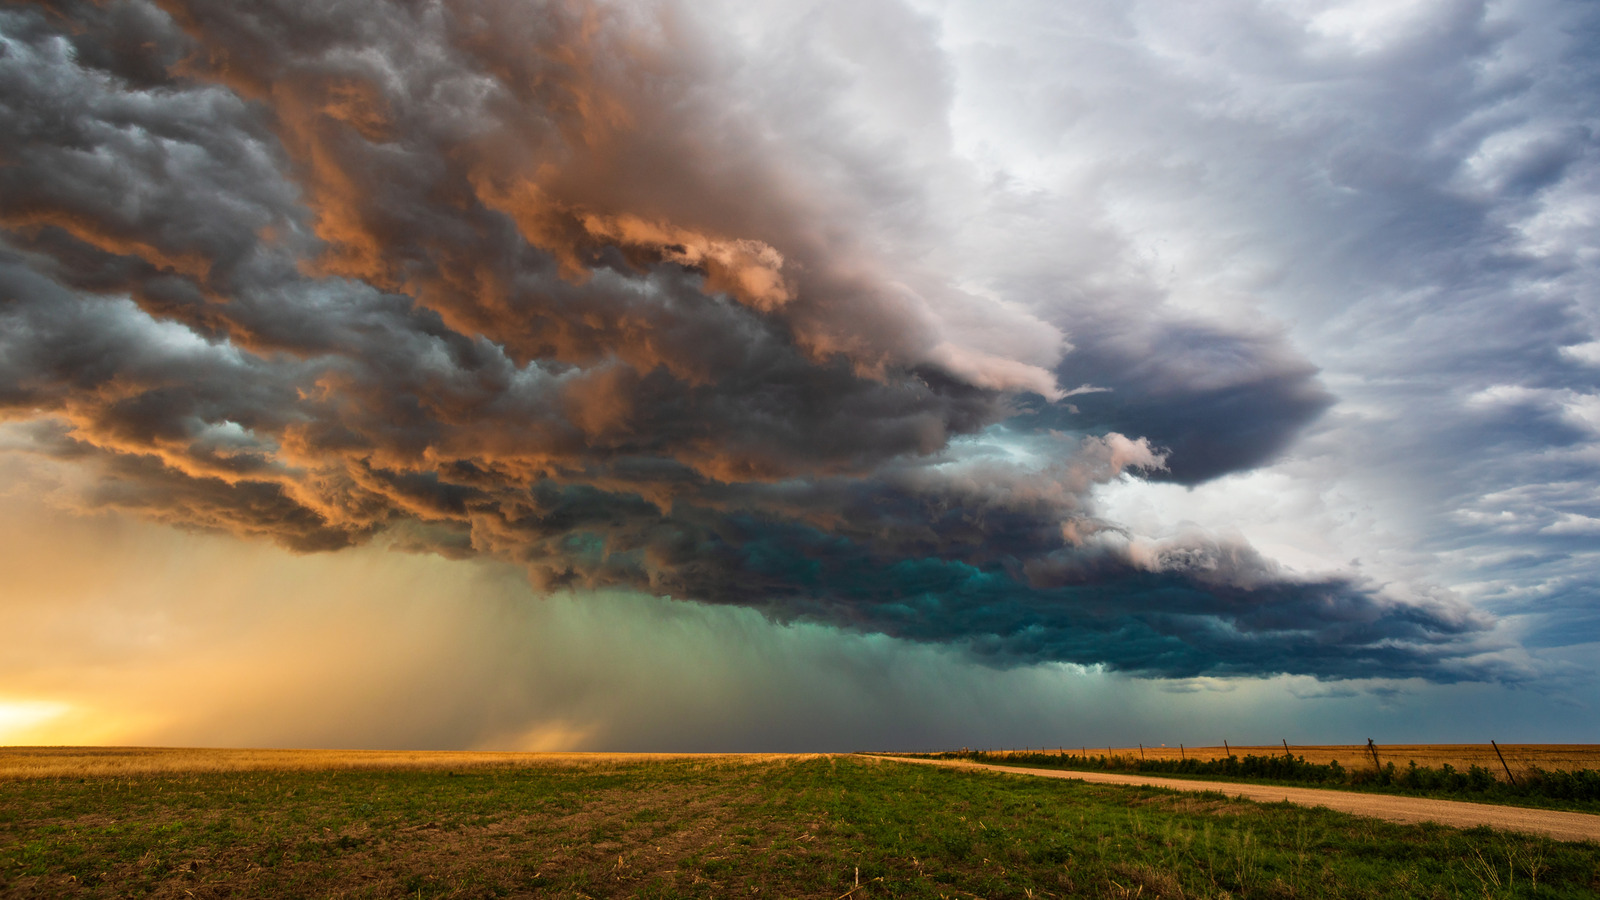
column 1503, row 763
column 1286, row 749
column 1374, row 750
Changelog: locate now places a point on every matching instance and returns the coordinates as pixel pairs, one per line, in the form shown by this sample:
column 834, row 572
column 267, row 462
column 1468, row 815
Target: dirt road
column 1563, row 826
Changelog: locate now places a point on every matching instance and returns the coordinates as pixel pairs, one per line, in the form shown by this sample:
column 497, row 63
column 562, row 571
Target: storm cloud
column 643, row 296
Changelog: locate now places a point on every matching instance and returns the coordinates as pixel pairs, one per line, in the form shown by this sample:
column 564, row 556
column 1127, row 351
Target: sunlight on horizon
column 20, row 719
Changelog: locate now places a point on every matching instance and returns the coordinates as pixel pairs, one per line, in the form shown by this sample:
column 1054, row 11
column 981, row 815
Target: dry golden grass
column 1549, row 757
column 82, row 762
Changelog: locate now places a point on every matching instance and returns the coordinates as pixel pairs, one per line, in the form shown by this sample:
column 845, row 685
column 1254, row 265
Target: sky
column 799, row 375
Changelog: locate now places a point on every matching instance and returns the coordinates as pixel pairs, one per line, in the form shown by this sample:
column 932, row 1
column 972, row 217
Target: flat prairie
column 263, row 823
column 1550, row 757
column 82, row 762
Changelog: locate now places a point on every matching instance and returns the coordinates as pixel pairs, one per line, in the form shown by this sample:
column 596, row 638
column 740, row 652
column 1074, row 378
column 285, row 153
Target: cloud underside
column 525, row 281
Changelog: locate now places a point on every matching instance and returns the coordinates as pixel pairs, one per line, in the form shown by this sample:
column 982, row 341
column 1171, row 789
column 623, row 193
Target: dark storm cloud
column 1186, row 616
column 1215, row 401
column 520, row 280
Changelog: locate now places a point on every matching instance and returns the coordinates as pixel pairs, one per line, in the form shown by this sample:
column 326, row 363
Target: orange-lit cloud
column 545, row 284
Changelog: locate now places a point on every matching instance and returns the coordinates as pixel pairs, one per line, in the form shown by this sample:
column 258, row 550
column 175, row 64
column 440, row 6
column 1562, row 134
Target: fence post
column 1374, row 750
column 1503, row 763
column 1141, row 752
column 1286, row 749
column 1180, row 753
column 1226, row 749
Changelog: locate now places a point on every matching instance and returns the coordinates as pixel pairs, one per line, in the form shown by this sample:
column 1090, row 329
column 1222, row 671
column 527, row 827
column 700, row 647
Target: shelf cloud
column 640, row 296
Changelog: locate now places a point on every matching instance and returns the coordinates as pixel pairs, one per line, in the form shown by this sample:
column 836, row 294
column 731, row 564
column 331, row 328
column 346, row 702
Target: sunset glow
column 20, row 720
column 507, row 374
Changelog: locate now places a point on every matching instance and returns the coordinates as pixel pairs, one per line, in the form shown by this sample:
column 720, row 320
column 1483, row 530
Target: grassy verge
column 1578, row 791
column 816, row 827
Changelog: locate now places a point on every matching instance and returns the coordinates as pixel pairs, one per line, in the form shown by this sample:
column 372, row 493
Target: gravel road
column 1563, row 826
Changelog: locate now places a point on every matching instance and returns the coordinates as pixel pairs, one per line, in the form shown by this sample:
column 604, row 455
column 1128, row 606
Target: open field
column 816, row 827
column 76, row 762
column 1564, row 783
column 1520, row 757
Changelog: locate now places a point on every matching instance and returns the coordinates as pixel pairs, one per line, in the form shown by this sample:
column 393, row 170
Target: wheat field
column 81, row 762
column 84, row 762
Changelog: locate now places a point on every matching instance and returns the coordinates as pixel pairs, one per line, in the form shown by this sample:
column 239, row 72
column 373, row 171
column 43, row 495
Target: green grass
column 815, row 827
column 1536, row 788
